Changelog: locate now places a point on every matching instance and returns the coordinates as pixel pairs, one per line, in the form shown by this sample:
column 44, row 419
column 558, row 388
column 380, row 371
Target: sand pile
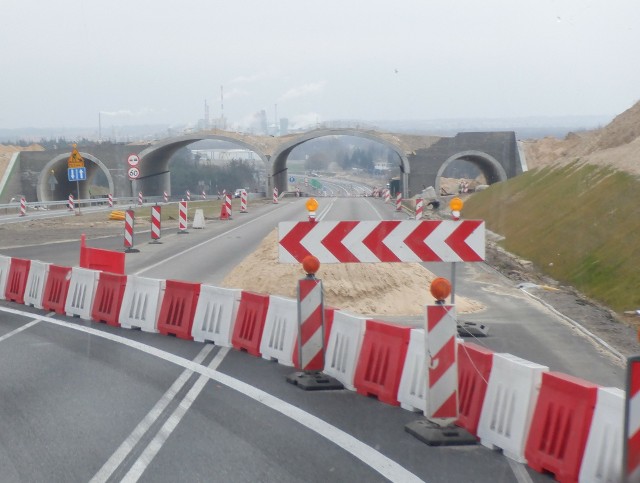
column 361, row 288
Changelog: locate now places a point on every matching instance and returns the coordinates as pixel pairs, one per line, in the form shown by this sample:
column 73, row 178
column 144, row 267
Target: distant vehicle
column 238, row 193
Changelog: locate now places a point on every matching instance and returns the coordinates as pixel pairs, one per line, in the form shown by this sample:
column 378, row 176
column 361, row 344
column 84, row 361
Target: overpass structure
column 422, row 160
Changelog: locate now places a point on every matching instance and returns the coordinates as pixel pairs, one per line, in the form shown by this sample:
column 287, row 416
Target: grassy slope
column 579, row 224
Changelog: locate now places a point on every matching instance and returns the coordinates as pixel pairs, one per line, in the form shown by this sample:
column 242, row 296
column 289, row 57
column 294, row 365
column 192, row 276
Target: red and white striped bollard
column 204, row 195
column 227, row 203
column 243, row 201
column 155, row 223
column 165, row 196
column 70, row 204
column 188, row 195
column 182, row 219
column 129, row 222
column 632, row 422
column 275, row 195
column 442, row 370
column 419, row 208
column 311, row 325
column 140, row 198
column 23, row 206
column 399, row 202
column 387, row 196
column 110, row 200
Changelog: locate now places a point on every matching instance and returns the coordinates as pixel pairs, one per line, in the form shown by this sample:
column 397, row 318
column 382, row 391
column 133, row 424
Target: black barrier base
column 183, row 232
column 314, row 381
column 131, row 250
column 434, row 435
column 155, row 242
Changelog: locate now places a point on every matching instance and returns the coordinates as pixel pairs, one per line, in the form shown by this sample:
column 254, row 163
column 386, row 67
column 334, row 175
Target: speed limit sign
column 133, row 173
column 133, row 160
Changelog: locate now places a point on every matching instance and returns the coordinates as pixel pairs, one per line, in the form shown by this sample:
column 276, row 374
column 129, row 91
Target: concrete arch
column 64, row 187
column 279, row 177
column 489, row 166
column 154, row 161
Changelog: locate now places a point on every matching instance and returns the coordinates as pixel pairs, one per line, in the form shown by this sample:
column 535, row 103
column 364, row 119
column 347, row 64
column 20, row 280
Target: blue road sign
column 77, row 174
column 291, row 179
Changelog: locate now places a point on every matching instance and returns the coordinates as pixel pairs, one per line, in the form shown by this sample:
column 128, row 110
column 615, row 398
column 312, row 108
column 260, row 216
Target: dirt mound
column 361, row 288
column 614, row 145
column 7, row 150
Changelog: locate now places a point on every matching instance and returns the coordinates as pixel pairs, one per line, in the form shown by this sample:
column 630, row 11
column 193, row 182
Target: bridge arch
column 154, row 160
column 279, row 177
column 63, row 187
column 490, row 167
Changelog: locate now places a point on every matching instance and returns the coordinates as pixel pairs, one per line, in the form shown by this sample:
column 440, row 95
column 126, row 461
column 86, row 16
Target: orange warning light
column 440, row 288
column 312, row 204
column 310, row 264
column 456, row 204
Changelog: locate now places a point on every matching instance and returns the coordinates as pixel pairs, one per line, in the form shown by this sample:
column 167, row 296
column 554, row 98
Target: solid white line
column 19, row 329
column 143, row 426
column 170, row 424
column 187, row 250
column 519, row 471
column 368, row 455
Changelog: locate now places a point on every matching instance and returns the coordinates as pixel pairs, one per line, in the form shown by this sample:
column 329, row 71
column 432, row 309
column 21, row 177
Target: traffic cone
column 224, row 214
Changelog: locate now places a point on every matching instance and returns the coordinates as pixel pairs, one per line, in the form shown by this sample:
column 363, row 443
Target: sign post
column 76, row 171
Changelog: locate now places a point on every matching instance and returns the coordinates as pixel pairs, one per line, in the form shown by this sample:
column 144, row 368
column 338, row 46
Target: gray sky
column 138, row 62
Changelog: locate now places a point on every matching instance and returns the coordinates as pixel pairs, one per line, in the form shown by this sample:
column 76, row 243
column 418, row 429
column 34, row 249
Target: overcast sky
column 64, row 61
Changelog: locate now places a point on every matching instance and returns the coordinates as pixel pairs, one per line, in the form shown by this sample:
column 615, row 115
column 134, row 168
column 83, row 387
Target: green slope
column 579, row 223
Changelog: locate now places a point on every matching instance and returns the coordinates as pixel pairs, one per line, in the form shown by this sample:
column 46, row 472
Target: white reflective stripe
column 311, row 348
column 442, row 390
column 634, row 415
column 311, row 302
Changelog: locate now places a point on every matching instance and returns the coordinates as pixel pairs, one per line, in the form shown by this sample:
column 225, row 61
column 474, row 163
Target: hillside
column 575, row 214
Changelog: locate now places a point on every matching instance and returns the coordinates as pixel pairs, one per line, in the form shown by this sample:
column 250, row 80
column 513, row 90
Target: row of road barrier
column 552, row 421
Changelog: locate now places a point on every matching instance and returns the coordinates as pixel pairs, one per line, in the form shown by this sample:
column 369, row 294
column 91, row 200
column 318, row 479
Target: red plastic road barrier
column 249, row 324
column 317, row 363
column 560, row 425
column 56, row 288
column 381, row 361
column 17, row 280
column 100, row 259
column 178, row 308
column 474, row 369
column 108, row 298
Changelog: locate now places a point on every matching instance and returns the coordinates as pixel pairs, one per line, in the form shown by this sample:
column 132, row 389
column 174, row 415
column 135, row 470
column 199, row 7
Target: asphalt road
column 82, row 401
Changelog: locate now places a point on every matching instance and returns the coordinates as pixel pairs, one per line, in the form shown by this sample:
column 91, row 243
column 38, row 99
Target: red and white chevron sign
column 382, row 241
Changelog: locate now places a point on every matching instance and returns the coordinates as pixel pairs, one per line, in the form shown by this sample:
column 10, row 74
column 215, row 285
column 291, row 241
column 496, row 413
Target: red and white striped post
column 110, row 200
column 243, row 201
column 182, row 218
column 155, row 223
column 204, row 195
column 227, row 203
column 309, row 354
column 23, row 206
column 419, row 208
column 310, row 324
column 140, row 198
column 165, row 196
column 399, row 202
column 188, row 195
column 70, row 204
column 129, row 221
column 632, row 422
column 387, row 196
column 275, row 195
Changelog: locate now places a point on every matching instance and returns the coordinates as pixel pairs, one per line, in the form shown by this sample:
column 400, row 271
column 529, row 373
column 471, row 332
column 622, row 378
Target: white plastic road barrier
column 412, row 392
column 280, row 330
column 215, row 315
column 198, row 219
column 5, row 265
column 82, row 289
column 35, row 283
column 509, row 404
column 141, row 303
column 601, row 462
column 343, row 348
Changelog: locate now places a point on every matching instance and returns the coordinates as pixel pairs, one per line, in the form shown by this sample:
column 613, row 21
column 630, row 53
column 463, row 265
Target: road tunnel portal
column 488, row 166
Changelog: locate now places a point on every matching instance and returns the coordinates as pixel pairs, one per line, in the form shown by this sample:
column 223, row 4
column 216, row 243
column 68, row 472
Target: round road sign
column 133, row 173
column 133, row 160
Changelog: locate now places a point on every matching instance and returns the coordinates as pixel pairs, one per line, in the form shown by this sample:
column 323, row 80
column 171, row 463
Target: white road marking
column 368, row 455
column 170, row 424
column 519, row 471
column 19, row 329
column 143, row 426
